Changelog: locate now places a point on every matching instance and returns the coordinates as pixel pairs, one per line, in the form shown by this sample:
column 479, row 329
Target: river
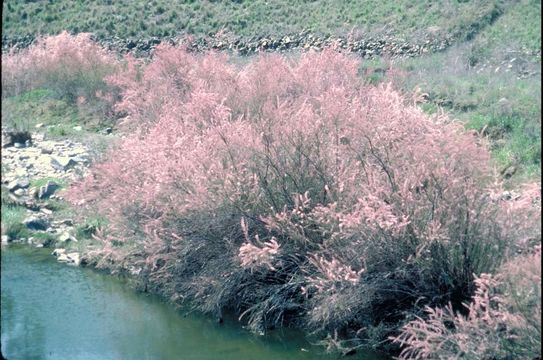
column 54, row 311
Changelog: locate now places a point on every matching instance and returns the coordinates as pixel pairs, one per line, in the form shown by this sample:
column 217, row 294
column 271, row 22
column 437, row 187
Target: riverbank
column 276, row 194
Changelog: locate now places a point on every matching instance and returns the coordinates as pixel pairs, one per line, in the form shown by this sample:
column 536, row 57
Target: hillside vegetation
column 489, row 78
column 360, row 198
column 125, row 18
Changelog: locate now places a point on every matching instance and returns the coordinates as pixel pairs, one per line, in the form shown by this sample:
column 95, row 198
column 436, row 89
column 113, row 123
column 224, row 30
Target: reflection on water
column 52, row 311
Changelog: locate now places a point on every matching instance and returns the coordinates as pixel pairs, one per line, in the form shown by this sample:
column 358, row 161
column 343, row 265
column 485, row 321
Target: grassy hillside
column 125, row 18
column 489, row 79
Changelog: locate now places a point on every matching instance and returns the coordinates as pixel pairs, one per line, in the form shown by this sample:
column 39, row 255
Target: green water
column 53, row 311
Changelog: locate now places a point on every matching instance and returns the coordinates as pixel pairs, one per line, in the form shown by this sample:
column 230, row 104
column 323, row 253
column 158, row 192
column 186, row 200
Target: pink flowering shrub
column 72, row 67
column 291, row 192
column 503, row 321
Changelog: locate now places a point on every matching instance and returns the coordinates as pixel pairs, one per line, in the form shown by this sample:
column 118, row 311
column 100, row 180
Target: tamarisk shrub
column 72, row 67
column 289, row 191
column 503, row 319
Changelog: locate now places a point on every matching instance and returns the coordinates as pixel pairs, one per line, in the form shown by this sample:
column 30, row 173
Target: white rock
column 19, row 192
column 58, row 252
column 65, row 236
column 63, row 258
column 73, row 259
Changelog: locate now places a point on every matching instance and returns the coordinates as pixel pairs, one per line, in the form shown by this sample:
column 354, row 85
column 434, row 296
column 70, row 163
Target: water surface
column 53, row 311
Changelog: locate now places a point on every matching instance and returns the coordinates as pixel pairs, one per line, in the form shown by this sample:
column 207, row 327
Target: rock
column 19, row 172
column 5, row 239
column 134, row 271
column 13, row 198
column 67, row 222
column 36, row 223
column 78, row 128
column 21, row 183
column 46, row 150
column 19, row 192
column 81, row 159
column 58, row 252
column 63, row 258
column 47, row 190
column 62, row 163
column 73, row 259
column 31, row 205
column 46, row 211
column 19, row 145
column 509, row 171
column 38, row 125
column 6, row 140
column 33, row 192
column 65, row 237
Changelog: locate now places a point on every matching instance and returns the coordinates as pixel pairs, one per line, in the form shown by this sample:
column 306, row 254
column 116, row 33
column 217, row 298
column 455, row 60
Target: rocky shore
column 33, row 172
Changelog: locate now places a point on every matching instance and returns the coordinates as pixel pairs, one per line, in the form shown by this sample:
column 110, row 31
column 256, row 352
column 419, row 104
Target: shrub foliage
column 503, row 320
column 291, row 192
column 71, row 67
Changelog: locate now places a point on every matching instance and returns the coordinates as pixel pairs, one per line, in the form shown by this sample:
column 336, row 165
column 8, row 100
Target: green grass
column 125, row 18
column 44, row 238
column 59, row 117
column 12, row 217
column 519, row 29
column 88, row 228
column 42, row 181
column 507, row 107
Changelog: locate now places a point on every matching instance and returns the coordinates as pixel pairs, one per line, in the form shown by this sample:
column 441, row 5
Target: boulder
column 36, row 223
column 62, row 163
column 67, row 222
column 19, row 192
column 33, row 192
column 46, row 211
column 58, row 252
column 73, row 259
column 6, row 140
column 47, row 190
column 21, row 183
column 70, row 259
column 62, row 257
column 65, row 237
